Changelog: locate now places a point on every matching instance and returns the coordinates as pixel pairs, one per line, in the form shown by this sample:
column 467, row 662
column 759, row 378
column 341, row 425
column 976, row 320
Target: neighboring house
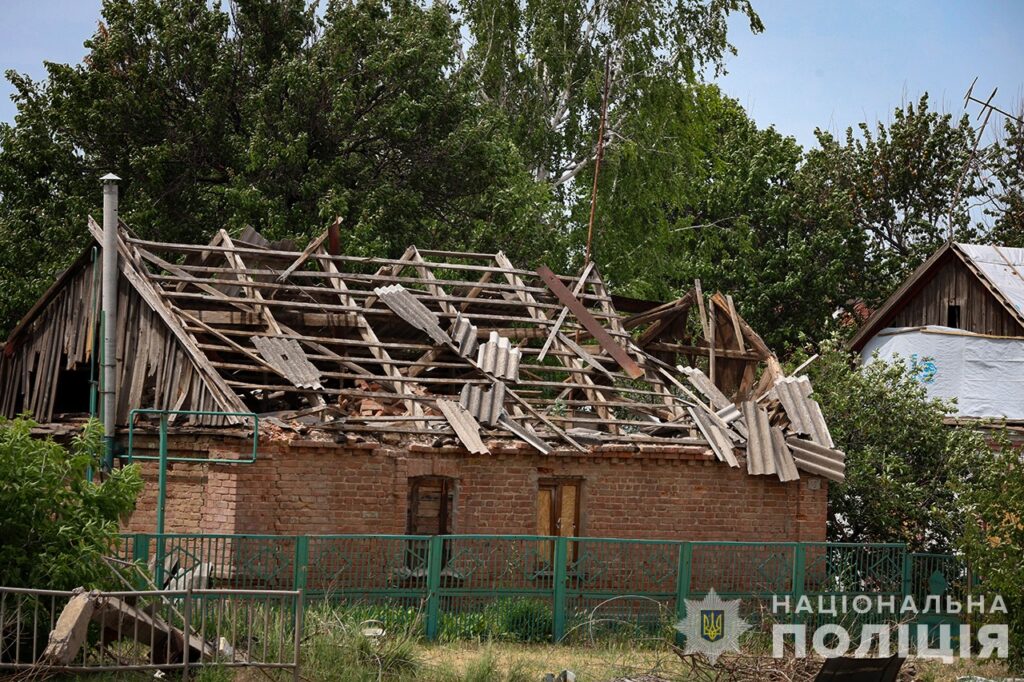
column 959, row 319
column 439, row 392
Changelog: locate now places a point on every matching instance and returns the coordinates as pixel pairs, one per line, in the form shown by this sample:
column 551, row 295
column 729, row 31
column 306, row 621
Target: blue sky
column 824, row 63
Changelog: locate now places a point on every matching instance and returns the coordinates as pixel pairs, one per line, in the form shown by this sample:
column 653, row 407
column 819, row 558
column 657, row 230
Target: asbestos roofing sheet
column 288, row 358
column 465, row 426
column 486, row 405
column 785, row 466
column 463, row 334
column 715, row 434
column 760, row 452
column 498, row 358
column 804, row 413
column 703, row 384
column 525, row 433
column 818, row 459
column 1004, row 268
column 409, row 308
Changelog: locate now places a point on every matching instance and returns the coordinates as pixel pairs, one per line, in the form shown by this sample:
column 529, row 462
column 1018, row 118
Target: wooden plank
column 226, row 397
column 703, row 310
column 735, row 322
column 563, row 294
column 565, row 311
column 304, row 256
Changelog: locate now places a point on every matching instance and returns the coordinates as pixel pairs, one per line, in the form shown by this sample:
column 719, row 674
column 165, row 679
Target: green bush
column 992, row 499
column 55, row 524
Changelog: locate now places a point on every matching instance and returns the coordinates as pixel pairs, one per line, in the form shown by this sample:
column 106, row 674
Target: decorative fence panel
column 538, row 588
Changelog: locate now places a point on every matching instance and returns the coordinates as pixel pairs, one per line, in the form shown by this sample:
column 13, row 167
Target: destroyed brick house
column 438, row 392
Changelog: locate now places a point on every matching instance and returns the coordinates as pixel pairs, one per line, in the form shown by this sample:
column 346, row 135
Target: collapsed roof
column 432, row 344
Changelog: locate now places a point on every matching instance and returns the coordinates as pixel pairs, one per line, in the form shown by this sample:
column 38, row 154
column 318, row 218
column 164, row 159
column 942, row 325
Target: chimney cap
column 110, row 177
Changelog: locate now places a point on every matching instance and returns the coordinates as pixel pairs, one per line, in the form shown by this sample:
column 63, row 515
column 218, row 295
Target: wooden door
column 431, row 500
column 558, row 512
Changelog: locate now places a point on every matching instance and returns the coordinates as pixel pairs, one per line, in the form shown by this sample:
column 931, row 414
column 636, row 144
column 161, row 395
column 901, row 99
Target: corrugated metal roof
column 817, row 459
column 804, row 413
column 760, row 450
column 465, row 427
column 485, row 405
column 288, row 358
column 410, row 309
column 498, row 358
column 1003, row 266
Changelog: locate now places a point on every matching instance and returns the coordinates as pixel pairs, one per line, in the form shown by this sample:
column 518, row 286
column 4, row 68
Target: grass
column 375, row 644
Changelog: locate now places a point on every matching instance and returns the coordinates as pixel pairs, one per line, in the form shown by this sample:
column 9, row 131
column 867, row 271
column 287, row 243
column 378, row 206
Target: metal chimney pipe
column 109, row 289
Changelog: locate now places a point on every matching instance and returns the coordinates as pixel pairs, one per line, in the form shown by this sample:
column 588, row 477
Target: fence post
column 301, row 564
column 799, row 575
column 140, row 556
column 300, row 626
column 435, row 551
column 161, row 557
column 558, row 594
column 908, row 572
column 684, row 575
column 186, row 627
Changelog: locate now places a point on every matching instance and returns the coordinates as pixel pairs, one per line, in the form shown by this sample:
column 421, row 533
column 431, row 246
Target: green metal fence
column 540, row 588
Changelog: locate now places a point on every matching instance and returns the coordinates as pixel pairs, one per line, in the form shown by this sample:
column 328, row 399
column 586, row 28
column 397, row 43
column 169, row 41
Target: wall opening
column 953, row 316
column 430, row 512
column 72, row 391
column 558, row 512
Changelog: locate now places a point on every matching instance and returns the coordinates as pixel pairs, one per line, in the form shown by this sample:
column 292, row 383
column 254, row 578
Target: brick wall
column 308, row 487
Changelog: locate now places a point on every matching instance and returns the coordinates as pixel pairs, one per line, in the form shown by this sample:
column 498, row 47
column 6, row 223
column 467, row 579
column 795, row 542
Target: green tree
column 903, row 463
column 992, row 502
column 903, row 185
column 1005, row 206
column 55, row 525
column 545, row 63
column 734, row 205
column 269, row 115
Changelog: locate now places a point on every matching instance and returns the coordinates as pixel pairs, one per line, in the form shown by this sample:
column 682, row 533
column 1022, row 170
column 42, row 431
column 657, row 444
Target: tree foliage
column 55, row 525
column 992, row 503
column 903, row 463
column 269, row 115
column 474, row 125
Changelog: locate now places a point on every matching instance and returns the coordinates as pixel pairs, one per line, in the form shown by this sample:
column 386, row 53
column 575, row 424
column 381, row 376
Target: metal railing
column 170, row 630
column 540, row 588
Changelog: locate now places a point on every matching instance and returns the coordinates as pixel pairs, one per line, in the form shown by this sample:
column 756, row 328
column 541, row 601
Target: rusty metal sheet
column 818, row 459
column 288, row 358
column 590, row 323
column 411, row 309
column 804, row 413
column 464, row 425
column 498, row 358
column 760, row 452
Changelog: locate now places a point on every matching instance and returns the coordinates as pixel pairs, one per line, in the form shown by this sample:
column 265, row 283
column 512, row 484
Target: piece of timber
column 600, row 334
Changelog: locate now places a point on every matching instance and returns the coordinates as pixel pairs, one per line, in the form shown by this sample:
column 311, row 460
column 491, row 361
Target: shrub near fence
column 535, row 588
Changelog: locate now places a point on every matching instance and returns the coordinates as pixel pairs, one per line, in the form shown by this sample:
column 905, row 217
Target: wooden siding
column 152, row 368
column 954, row 284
